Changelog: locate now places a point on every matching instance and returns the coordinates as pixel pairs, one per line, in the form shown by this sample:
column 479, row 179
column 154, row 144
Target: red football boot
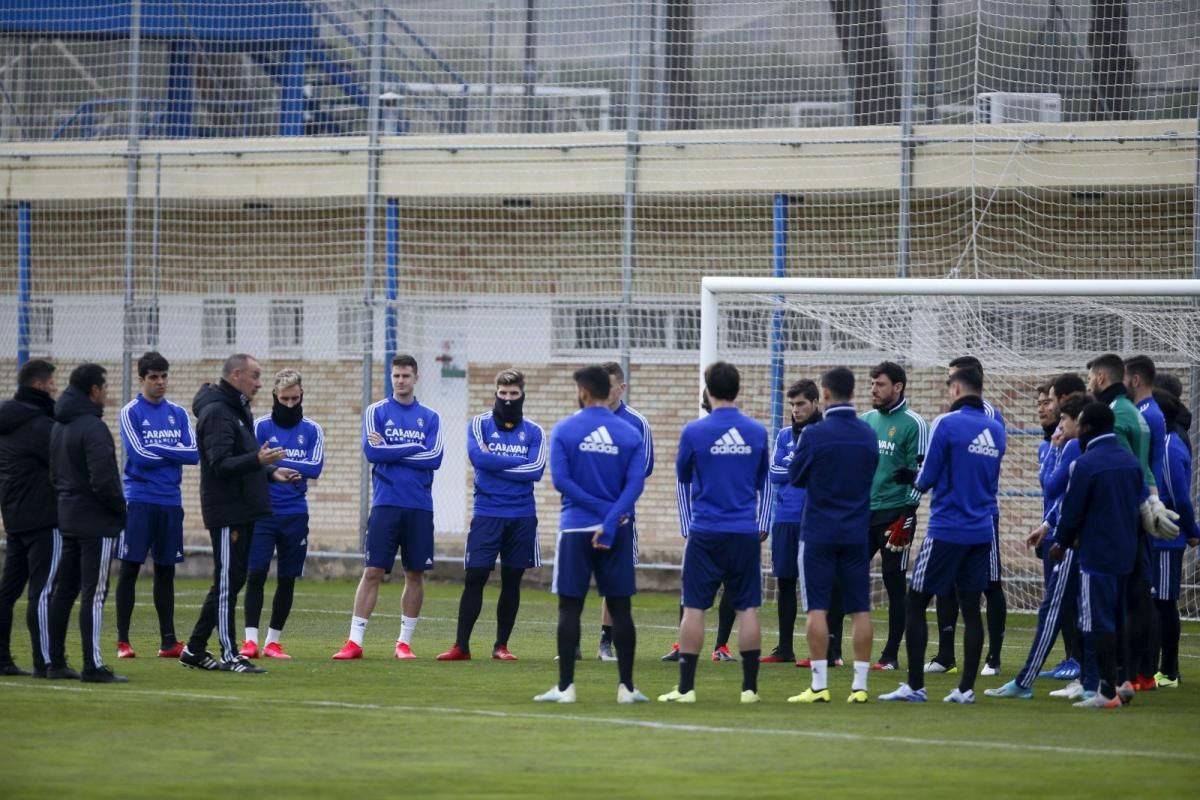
column 455, row 653
column 349, row 652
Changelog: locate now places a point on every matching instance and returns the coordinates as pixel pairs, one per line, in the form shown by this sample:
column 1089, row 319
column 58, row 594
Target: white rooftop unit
column 1000, row 107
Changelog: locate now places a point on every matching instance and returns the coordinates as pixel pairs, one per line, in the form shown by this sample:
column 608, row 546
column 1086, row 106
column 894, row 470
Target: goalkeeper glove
column 1158, row 520
column 904, row 476
column 900, row 532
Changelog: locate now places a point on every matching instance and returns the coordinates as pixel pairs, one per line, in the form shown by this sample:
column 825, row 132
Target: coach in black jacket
column 30, row 510
column 234, row 472
column 91, row 514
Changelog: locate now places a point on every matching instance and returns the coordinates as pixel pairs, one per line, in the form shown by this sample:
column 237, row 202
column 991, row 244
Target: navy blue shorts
column 514, row 539
column 785, row 550
column 1166, row 573
column 943, row 567
column 711, row 559
column 152, row 528
column 1101, row 602
column 408, row 531
column 575, row 560
column 285, row 535
column 822, row 565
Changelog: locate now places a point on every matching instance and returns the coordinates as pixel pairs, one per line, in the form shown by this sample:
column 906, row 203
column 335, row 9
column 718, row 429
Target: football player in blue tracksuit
column 285, row 533
column 617, row 404
column 402, row 440
column 1166, row 565
column 997, row 605
column 598, row 463
column 1061, row 587
column 802, row 397
column 509, row 455
column 1100, row 519
column 962, row 467
column 158, row 441
column 835, row 461
column 723, row 464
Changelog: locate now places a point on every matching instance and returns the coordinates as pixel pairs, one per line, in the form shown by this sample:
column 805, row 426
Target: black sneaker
column 11, row 670
column 63, row 673
column 101, row 675
column 203, row 660
column 40, row 672
column 240, row 664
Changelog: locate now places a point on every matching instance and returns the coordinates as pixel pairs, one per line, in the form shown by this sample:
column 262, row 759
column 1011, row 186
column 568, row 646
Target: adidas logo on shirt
column 599, row 441
column 495, row 435
column 145, row 423
column 731, row 444
column 984, row 445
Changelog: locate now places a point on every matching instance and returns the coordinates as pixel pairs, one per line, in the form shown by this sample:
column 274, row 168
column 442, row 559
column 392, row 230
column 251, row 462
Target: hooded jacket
column 83, row 469
column 233, row 484
column 27, row 497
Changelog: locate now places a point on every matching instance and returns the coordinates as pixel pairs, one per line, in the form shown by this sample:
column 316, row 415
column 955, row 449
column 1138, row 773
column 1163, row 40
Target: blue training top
column 836, row 460
column 962, row 467
column 1100, row 508
column 304, row 444
column 403, row 465
column 723, row 459
column 158, row 441
column 507, row 464
column 1176, row 493
column 598, row 464
column 789, row 500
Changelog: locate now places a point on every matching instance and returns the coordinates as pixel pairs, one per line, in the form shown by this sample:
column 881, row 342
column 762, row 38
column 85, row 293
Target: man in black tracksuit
column 30, row 510
column 91, row 514
column 234, row 472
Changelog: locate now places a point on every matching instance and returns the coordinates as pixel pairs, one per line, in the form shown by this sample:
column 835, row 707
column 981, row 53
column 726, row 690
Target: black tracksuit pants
column 31, row 558
column 82, row 573
column 231, row 551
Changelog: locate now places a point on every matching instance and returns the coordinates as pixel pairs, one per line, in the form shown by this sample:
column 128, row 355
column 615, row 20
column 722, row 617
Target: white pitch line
column 672, row 727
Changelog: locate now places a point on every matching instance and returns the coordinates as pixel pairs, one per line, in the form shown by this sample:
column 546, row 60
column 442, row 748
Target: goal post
column 1025, row 333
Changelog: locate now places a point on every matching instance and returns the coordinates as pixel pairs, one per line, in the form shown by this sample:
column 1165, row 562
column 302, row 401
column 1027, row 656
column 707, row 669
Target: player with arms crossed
column 724, row 460
column 598, row 462
column 508, row 453
column 962, row 467
column 158, row 440
column 835, row 461
column 402, row 440
column 285, row 532
column 802, row 397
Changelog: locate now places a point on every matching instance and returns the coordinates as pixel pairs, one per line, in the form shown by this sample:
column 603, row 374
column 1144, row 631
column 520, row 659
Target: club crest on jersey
column 171, row 418
column 599, row 441
column 891, row 431
column 420, row 422
column 984, row 445
column 731, row 443
column 521, row 436
column 300, row 439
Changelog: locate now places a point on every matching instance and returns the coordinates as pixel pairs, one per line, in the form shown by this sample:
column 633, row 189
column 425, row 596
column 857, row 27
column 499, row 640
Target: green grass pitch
column 312, row 727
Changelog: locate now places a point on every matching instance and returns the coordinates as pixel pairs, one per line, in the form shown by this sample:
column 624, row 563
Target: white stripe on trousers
column 557, row 561
column 1085, row 602
column 43, row 602
column 223, row 632
column 800, row 576
column 1041, row 648
column 994, row 553
column 106, row 554
column 918, row 577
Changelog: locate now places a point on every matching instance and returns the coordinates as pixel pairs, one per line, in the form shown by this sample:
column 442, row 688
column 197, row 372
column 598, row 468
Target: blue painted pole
column 778, row 270
column 291, row 92
column 24, row 275
column 180, row 85
column 393, row 280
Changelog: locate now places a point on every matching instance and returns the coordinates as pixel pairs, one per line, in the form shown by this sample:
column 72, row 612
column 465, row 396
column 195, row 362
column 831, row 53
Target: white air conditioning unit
column 808, row 114
column 1000, row 107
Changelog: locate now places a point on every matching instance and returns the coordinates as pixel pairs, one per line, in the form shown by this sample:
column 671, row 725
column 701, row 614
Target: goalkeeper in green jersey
column 902, row 435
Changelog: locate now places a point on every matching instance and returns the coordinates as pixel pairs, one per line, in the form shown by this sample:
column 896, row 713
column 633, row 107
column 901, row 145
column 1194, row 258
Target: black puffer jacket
column 83, row 469
column 233, row 484
column 27, row 497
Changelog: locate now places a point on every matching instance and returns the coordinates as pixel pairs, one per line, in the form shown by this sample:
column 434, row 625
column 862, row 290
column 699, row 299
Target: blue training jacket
column 1047, row 456
column 598, row 464
column 158, row 441
column 1056, row 486
column 835, row 461
column 962, row 467
column 402, row 467
column 724, row 460
column 1157, row 424
column 1100, row 508
column 789, row 502
column 304, row 444
column 507, row 464
column 1176, row 493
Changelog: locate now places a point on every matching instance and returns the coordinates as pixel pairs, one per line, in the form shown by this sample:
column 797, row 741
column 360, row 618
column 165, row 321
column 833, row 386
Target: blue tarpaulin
column 204, row 20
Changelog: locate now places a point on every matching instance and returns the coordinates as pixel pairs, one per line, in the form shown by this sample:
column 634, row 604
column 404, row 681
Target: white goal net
column 1026, row 333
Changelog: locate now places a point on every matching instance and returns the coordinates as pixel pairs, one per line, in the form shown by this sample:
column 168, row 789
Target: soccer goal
column 1025, row 332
